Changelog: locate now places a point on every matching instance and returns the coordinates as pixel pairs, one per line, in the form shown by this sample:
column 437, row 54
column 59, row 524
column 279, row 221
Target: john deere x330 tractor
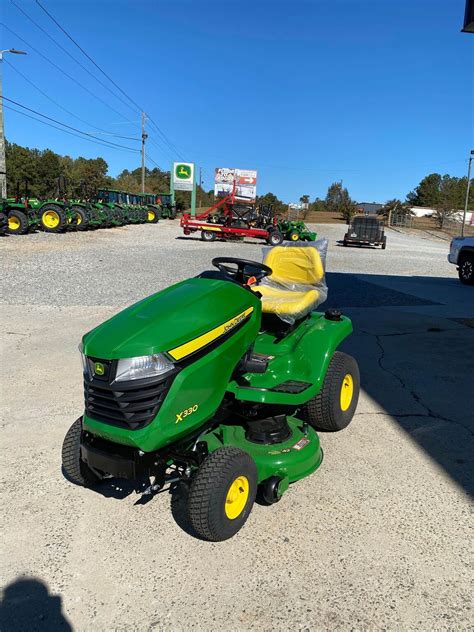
column 217, row 385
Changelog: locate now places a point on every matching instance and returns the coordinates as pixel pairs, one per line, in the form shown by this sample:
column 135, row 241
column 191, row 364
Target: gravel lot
column 376, row 539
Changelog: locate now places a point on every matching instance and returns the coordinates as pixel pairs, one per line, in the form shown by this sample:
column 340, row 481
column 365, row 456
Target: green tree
column 427, row 193
column 338, row 200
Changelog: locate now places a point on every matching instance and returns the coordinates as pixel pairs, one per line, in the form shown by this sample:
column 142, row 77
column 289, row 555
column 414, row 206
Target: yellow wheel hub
column 294, row 237
column 347, row 391
column 78, row 219
column 13, row 222
column 237, row 497
column 151, row 216
column 50, row 219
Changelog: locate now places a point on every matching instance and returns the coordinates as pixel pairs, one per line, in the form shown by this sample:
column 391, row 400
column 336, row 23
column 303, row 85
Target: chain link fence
column 401, row 219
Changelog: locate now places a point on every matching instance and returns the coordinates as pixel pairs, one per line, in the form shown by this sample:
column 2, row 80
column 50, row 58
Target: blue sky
column 376, row 93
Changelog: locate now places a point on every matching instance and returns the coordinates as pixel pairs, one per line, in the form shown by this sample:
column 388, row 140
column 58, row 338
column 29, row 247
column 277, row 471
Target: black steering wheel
column 243, row 270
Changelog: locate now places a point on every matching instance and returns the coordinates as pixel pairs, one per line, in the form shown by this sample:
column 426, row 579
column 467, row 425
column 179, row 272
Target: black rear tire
column 81, row 219
column 17, row 223
column 327, row 411
column 74, row 467
column 466, row 268
column 53, row 218
column 3, row 223
column 210, row 496
column 384, row 243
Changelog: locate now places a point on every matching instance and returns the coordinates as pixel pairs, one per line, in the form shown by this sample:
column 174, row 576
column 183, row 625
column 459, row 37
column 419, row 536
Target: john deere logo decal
column 183, row 172
column 99, row 368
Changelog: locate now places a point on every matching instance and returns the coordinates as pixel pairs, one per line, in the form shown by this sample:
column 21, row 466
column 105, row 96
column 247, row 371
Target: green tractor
column 88, row 213
column 168, row 209
column 154, row 209
column 295, row 230
column 22, row 214
column 216, row 386
column 114, row 204
column 138, row 204
column 55, row 214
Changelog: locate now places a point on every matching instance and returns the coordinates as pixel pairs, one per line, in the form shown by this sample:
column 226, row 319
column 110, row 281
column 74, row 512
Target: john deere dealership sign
column 183, row 176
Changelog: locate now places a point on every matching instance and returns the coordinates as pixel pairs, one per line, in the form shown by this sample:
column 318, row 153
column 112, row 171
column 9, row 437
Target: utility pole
column 3, row 164
column 471, row 158
column 200, row 186
column 144, row 137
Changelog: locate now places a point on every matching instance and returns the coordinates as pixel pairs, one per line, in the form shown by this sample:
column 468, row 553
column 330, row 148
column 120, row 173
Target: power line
column 62, row 71
column 69, row 126
column 62, row 107
column 165, row 138
column 69, row 54
column 88, row 56
column 7, row 107
column 173, row 148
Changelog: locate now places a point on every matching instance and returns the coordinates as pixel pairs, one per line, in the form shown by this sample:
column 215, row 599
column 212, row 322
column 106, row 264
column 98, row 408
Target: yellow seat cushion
column 297, row 265
column 287, row 302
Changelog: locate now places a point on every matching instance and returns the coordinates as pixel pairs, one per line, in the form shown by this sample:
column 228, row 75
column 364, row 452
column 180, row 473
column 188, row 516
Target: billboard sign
column 245, row 183
column 183, row 176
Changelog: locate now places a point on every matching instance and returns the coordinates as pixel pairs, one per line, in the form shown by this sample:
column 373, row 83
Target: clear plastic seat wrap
column 297, row 284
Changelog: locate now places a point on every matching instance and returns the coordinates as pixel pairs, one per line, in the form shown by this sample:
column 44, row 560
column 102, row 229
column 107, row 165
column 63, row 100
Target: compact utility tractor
column 217, row 385
column 22, row 216
column 295, row 230
column 3, row 217
column 55, row 214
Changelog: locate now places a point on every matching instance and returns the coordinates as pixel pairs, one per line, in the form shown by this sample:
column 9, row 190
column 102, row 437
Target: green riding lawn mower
column 216, row 388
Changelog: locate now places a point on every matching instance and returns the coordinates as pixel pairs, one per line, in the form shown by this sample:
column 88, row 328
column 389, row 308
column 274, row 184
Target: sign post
column 183, row 180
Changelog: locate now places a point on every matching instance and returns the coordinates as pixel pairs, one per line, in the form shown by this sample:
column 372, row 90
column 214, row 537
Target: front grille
column 127, row 405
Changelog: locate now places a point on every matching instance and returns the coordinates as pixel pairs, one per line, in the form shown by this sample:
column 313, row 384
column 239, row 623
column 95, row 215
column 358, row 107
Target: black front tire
column 208, row 235
column 466, row 269
column 74, row 467
column 274, row 238
column 208, row 501
column 327, row 411
column 17, row 223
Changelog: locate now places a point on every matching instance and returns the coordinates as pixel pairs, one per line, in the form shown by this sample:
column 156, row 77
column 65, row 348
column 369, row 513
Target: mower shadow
column 414, row 342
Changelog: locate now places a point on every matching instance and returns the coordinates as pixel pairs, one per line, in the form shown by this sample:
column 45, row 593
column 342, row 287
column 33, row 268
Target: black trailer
column 366, row 231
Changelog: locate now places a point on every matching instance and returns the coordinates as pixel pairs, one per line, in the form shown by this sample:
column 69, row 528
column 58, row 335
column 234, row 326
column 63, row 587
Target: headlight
column 85, row 368
column 142, row 367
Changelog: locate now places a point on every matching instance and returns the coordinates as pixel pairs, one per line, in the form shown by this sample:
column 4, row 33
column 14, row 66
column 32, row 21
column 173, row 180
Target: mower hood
column 167, row 320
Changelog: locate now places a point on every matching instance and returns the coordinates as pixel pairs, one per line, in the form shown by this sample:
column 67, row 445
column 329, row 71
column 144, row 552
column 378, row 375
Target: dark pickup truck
column 366, row 231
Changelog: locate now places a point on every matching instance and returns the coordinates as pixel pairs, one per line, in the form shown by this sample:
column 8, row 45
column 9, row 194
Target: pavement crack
column 429, row 413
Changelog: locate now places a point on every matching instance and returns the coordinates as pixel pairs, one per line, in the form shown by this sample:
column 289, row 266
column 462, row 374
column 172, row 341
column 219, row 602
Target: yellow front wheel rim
column 51, row 219
column 151, row 216
column 237, row 497
column 347, row 391
column 13, row 222
column 294, row 237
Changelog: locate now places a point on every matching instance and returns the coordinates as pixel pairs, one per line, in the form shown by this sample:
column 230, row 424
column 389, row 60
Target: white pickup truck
column 461, row 253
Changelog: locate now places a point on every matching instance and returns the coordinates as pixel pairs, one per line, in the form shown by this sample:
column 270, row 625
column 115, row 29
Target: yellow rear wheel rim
column 13, row 222
column 347, row 391
column 237, row 497
column 51, row 219
column 151, row 216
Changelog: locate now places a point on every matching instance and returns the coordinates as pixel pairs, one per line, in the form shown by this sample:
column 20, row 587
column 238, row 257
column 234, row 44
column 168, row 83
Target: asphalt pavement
column 376, row 539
